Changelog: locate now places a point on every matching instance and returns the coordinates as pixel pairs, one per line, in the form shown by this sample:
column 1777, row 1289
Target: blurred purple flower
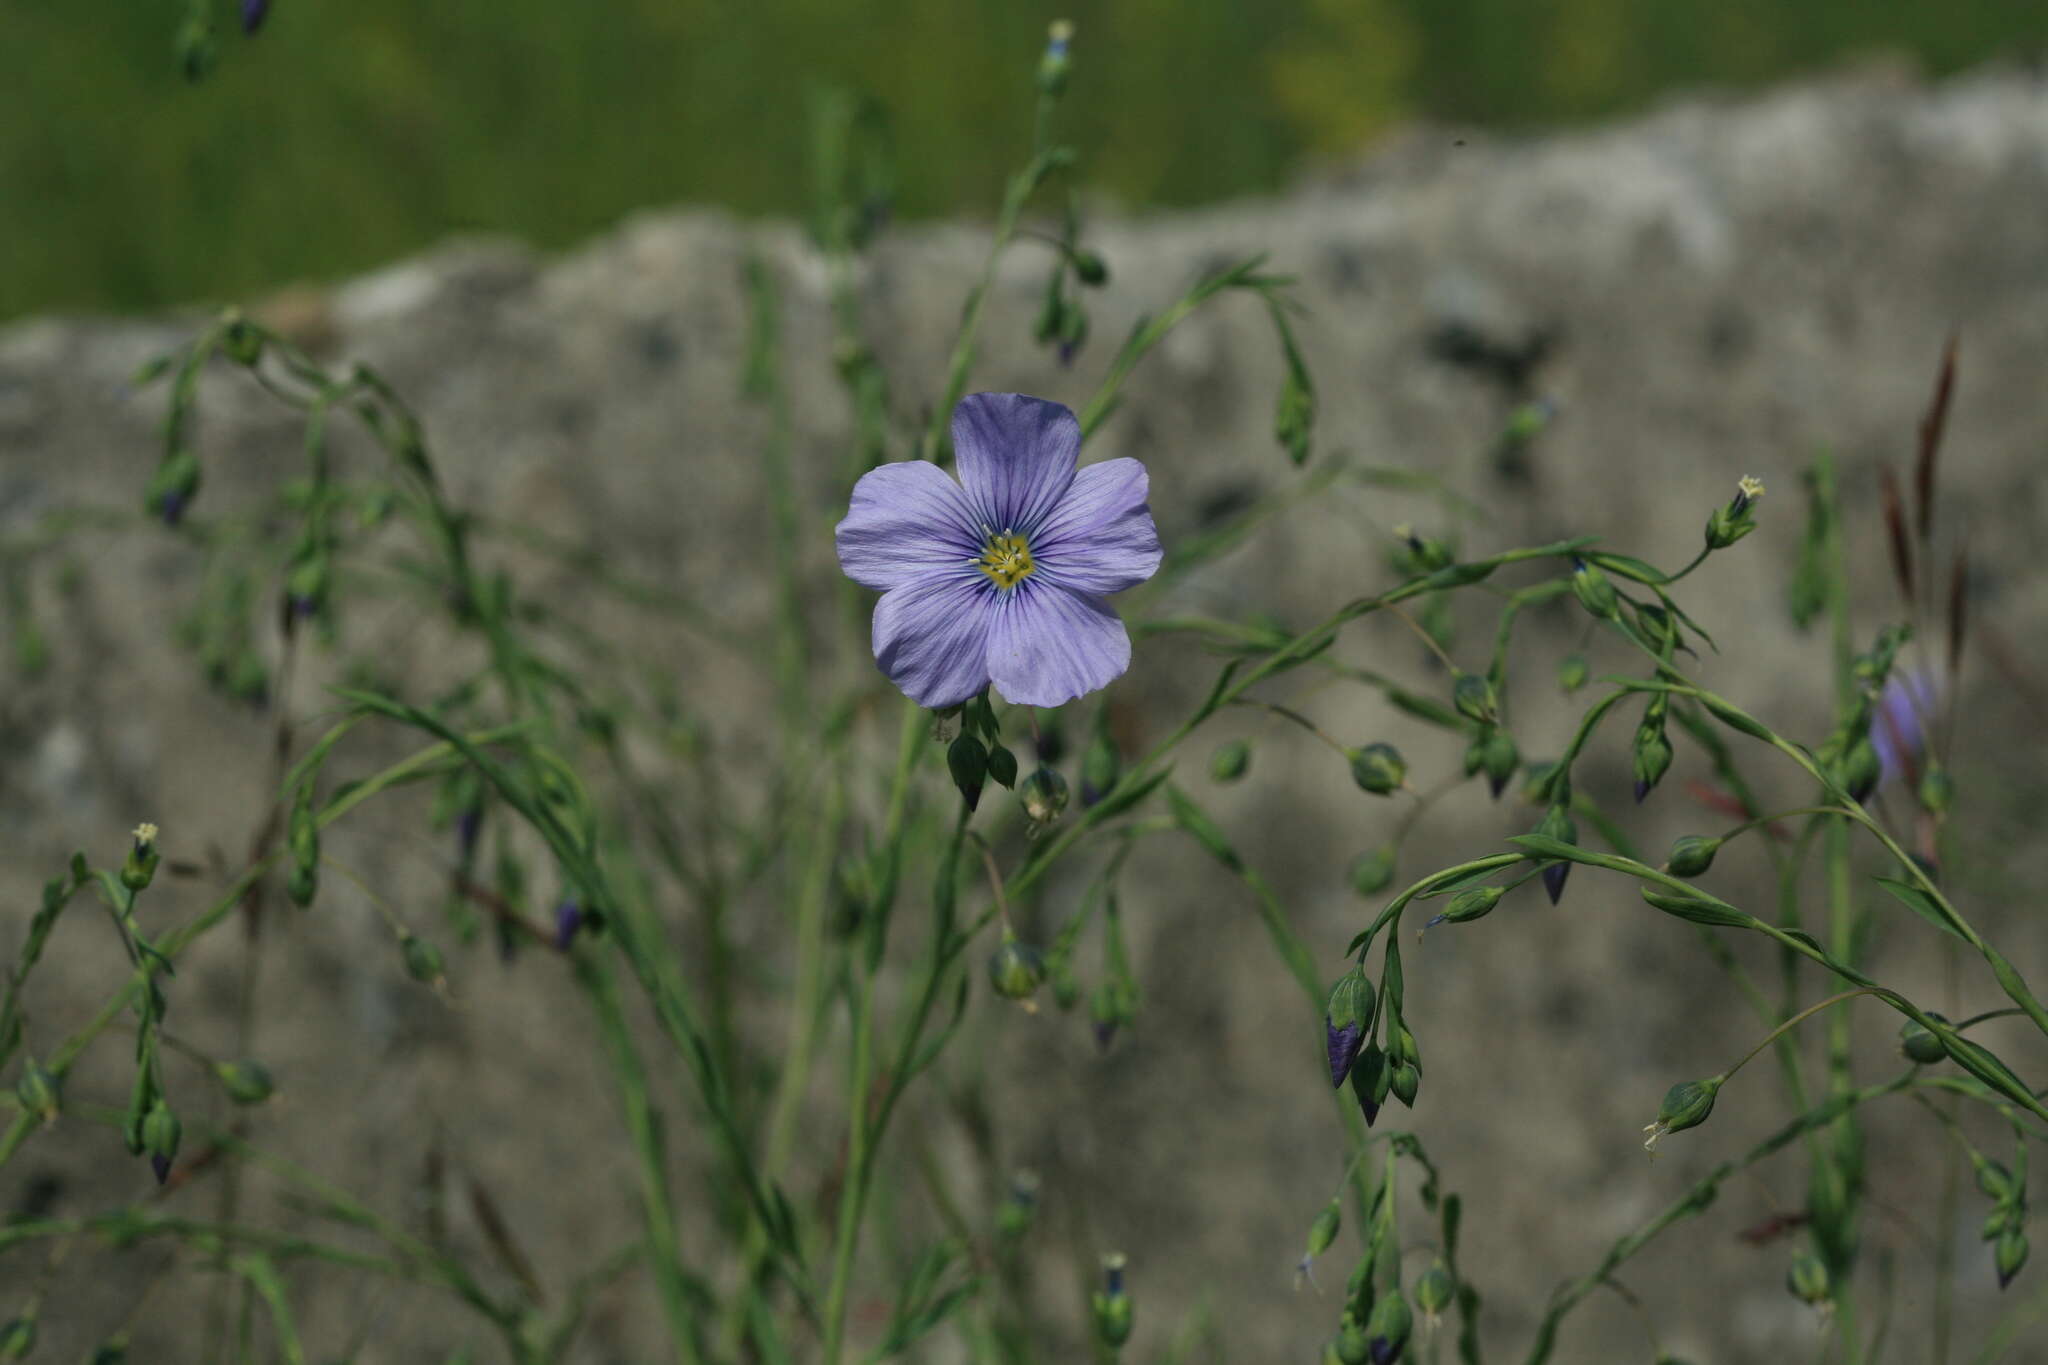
column 1898, row 730
column 568, row 919
column 1001, row 577
column 254, row 12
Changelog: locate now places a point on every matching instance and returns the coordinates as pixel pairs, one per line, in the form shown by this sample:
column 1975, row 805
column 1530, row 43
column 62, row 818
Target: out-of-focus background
column 1724, row 285
column 348, row 133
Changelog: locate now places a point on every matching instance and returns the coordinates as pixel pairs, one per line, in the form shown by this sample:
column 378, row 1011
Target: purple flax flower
column 254, row 12
column 1001, row 577
column 1898, row 730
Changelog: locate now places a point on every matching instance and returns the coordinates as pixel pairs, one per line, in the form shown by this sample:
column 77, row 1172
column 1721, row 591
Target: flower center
column 1006, row 559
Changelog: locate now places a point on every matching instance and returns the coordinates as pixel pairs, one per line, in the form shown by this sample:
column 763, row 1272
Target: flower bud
column 303, row 841
column 1500, row 760
column 1016, row 970
column 1371, row 1078
column 1322, row 1232
column 1692, row 855
column 1002, row 766
column 1100, row 768
column 1594, row 592
column 1686, row 1105
column 1808, row 1280
column 1113, row 1006
column 17, row 1338
column 1557, row 824
column 2010, row 1253
column 1420, row 554
column 1652, row 756
column 1350, row 1345
column 1406, row 1083
column 1230, row 760
column 1043, row 796
column 40, row 1092
column 172, row 487
column 1089, row 267
column 246, row 1082
column 1373, row 870
column 1435, row 1291
column 1053, row 66
column 160, row 1134
column 1294, row 416
column 1378, row 769
column 1859, row 770
column 1937, row 788
column 1473, row 696
column 1111, row 1304
column 1474, row 902
column 254, row 12
column 1388, row 1327
column 1572, row 672
column 140, row 867
column 1994, row 1180
column 1919, row 1043
column 1019, row 1209
column 1347, row 1018
column 967, row 761
column 422, row 959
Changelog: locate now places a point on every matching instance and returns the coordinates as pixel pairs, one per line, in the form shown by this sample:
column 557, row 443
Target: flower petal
column 1048, row 646
column 931, row 637
column 906, row 520
column 1100, row 539
column 1016, row 456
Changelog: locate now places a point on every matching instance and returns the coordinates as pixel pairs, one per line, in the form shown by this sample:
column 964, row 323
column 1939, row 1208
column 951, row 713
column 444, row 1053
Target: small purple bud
column 254, row 12
column 161, row 1164
column 1497, row 785
column 1553, row 879
column 1642, row 790
column 568, row 919
column 1383, row 1351
column 1067, row 349
column 304, row 607
column 1105, row 1033
column 1343, row 1044
column 468, row 827
column 173, row 508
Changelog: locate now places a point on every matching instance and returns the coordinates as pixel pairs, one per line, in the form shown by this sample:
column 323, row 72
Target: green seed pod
column 1389, row 1326
column 1230, row 760
column 1043, row 796
column 1594, row 592
column 1373, row 870
column 1111, row 1304
column 302, row 884
column 1378, row 769
column 1808, row 1279
column 1473, row 696
column 1860, row 770
column 1686, row 1105
column 2010, row 1254
column 1572, row 672
column 40, row 1092
column 1475, row 902
column 1996, row 1222
column 1652, row 756
column 1002, row 766
column 1370, row 1081
column 967, row 761
column 1692, row 855
column 1323, row 1230
column 1089, row 268
column 1015, row 970
column 246, row 1082
column 422, row 959
column 1435, row 1291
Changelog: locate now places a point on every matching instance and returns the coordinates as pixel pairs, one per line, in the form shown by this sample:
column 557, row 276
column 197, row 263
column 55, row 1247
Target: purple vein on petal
column 1016, row 456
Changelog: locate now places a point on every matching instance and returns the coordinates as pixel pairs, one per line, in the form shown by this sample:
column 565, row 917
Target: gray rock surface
column 1716, row 289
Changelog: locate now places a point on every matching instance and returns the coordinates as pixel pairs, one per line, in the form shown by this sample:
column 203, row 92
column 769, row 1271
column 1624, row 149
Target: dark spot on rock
column 656, row 343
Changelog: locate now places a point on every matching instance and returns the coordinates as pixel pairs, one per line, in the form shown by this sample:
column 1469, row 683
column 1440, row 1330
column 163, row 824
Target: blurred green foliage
column 350, row 131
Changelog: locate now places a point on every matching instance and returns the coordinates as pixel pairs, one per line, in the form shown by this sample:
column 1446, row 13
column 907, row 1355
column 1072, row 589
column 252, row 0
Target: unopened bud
column 1089, row 268
column 1920, row 1043
column 246, row 1082
column 1019, row 1209
column 1111, row 1304
column 1379, row 769
column 1002, row 766
column 1371, row 1079
column 1808, row 1280
column 1860, row 770
column 1322, row 1232
column 1652, row 756
column 1499, row 759
column 2009, row 1254
column 1347, row 1018
column 1692, row 855
column 1557, row 824
column 1350, row 1345
column 1994, row 1181
column 1230, row 760
column 1388, row 1328
column 139, row 869
column 160, row 1133
column 40, row 1092
column 172, row 487
column 1594, row 592
column 1406, row 1083
column 967, row 761
column 1737, row 519
column 1435, row 1291
column 422, row 959
column 1572, row 672
column 1373, row 870
column 1053, row 66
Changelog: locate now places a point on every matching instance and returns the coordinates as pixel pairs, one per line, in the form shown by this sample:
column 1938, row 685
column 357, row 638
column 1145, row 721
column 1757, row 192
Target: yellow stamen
column 1006, row 559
